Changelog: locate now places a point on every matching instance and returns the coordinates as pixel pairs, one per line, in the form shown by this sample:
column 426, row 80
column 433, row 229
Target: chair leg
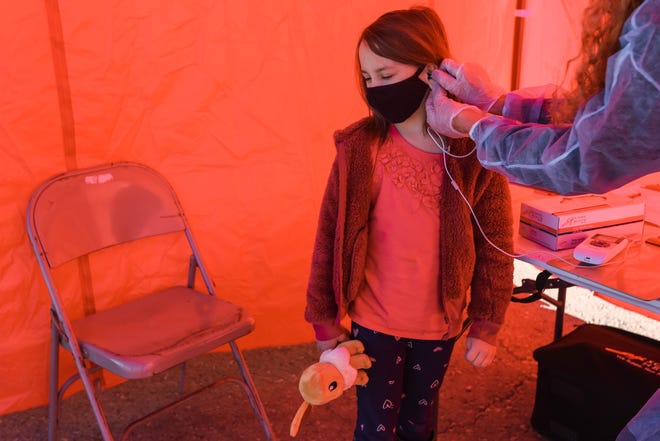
column 253, row 395
column 53, row 383
column 56, row 394
column 93, row 399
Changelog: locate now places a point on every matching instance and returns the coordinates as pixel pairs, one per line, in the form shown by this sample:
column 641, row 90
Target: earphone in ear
column 431, row 68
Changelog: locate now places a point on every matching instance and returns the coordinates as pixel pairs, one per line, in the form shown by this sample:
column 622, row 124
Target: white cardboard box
column 631, row 230
column 560, row 222
column 564, row 214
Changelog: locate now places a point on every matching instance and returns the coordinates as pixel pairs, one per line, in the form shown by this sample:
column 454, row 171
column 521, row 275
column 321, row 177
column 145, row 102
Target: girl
column 396, row 248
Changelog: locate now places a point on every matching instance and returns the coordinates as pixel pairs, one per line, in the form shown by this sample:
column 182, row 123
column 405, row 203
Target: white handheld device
column 599, row 248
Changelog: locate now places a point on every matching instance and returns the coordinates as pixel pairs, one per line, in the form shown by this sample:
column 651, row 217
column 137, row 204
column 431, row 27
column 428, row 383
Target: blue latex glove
column 469, row 83
column 441, row 110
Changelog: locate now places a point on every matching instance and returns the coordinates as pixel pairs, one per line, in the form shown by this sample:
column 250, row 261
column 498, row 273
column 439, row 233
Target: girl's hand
column 324, row 345
column 479, row 353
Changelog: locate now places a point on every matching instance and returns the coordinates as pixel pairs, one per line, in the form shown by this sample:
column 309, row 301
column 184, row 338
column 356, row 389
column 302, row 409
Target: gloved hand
column 441, row 111
column 468, row 82
column 323, row 345
column 478, row 352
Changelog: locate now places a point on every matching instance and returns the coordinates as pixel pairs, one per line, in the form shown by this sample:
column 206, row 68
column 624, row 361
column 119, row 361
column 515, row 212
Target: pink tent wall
column 234, row 102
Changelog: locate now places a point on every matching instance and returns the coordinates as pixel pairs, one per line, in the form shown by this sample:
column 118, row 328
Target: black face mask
column 397, row 101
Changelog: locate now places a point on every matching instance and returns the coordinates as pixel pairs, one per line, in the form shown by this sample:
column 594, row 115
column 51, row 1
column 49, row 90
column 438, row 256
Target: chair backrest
column 83, row 211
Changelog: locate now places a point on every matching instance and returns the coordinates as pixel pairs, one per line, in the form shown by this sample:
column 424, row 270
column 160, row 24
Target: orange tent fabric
column 235, row 102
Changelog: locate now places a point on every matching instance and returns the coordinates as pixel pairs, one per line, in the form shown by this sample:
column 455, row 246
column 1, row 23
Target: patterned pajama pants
column 401, row 397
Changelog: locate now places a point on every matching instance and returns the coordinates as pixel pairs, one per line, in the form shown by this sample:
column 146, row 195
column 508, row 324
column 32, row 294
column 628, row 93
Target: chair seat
column 158, row 331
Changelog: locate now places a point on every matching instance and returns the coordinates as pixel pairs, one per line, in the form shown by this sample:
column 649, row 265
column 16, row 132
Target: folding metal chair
column 75, row 215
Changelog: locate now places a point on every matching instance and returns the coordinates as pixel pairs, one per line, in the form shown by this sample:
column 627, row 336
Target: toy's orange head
column 321, row 383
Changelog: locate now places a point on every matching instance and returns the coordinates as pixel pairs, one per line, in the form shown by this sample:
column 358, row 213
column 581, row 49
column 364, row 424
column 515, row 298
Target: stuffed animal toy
column 337, row 370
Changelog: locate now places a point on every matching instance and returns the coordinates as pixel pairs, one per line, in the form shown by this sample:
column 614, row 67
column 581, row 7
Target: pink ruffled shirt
column 400, row 295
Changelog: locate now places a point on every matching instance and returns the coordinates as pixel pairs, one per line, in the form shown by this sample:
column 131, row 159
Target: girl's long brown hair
column 601, row 27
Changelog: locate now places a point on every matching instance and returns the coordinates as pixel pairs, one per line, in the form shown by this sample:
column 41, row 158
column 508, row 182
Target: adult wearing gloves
column 596, row 138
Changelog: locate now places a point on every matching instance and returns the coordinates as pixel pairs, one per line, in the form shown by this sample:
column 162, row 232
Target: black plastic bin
column 592, row 381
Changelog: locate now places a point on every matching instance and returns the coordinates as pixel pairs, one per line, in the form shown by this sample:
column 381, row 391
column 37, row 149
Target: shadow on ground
column 492, row 404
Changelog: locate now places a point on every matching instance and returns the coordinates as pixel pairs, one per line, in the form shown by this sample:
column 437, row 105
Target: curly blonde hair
column 601, row 28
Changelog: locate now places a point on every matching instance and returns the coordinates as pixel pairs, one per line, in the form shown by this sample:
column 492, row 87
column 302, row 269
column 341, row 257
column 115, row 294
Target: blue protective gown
column 615, row 137
column 645, row 425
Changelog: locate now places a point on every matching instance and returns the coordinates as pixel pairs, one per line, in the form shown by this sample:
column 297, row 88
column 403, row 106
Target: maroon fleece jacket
column 472, row 272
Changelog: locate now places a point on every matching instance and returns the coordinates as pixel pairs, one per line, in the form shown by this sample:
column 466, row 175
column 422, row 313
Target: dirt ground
column 492, row 404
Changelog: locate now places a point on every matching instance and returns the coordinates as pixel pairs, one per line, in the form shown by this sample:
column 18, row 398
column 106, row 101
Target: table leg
column 536, row 290
column 559, row 314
